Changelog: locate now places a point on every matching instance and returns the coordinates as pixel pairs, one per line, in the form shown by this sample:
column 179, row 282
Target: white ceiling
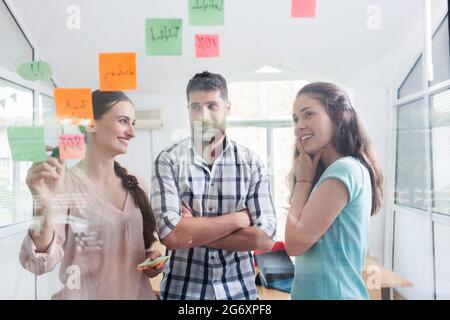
column 336, row 45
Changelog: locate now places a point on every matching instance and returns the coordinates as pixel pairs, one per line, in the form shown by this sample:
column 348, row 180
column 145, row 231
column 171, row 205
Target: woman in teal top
column 336, row 187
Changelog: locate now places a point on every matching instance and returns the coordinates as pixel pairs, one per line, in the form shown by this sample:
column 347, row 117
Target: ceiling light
column 268, row 69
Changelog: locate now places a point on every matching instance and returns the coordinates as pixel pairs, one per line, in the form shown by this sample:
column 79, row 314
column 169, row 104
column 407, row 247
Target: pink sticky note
column 71, row 146
column 303, row 9
column 207, row 45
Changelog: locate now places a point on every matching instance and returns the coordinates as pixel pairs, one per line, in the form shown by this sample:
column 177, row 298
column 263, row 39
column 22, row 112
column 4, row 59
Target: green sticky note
column 27, row 144
column 206, row 12
column 163, row 37
column 36, row 70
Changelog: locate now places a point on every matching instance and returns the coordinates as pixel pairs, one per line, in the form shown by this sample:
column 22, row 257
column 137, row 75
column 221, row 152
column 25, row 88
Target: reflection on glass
column 16, row 108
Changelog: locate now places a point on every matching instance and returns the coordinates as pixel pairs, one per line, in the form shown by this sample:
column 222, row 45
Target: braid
column 131, row 184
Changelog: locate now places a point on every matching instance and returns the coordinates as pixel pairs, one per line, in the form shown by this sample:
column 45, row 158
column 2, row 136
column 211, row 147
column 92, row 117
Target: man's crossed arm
column 232, row 231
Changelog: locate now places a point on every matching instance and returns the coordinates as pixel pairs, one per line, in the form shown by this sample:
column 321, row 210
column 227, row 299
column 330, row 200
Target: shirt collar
column 199, row 159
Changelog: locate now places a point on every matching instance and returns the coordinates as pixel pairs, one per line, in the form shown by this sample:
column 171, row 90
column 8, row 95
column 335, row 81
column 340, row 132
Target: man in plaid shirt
column 212, row 203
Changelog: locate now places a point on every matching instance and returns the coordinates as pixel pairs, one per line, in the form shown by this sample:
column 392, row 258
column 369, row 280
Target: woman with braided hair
column 94, row 218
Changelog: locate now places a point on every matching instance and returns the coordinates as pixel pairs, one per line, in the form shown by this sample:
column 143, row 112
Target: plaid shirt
column 236, row 181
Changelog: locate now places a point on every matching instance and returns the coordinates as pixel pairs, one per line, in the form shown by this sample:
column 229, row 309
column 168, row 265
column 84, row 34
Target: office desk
column 271, row 294
column 388, row 279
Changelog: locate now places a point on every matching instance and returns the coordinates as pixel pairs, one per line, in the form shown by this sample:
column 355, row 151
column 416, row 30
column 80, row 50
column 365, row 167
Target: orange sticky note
column 303, row 9
column 71, row 146
column 74, row 104
column 117, row 71
column 207, row 45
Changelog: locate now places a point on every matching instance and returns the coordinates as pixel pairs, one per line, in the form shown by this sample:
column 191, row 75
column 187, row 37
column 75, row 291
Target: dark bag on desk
column 276, row 270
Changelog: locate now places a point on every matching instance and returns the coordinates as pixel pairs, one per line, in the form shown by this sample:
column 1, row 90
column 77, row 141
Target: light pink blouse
column 99, row 248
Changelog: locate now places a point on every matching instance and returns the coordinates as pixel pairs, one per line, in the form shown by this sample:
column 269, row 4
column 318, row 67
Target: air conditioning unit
column 149, row 119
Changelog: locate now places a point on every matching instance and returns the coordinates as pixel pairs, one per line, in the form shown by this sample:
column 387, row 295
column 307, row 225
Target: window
column 423, row 174
column 16, row 109
column 413, row 81
column 260, row 119
column 441, row 54
column 440, row 134
column 423, row 130
column 411, row 169
column 283, row 150
column 262, row 100
column 253, row 138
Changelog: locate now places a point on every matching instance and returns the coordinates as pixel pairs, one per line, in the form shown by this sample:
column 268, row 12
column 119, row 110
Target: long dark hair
column 102, row 102
column 350, row 138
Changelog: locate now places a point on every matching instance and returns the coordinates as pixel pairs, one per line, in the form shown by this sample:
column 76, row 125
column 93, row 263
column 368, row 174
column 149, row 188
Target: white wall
column 372, row 106
column 442, row 249
column 413, row 254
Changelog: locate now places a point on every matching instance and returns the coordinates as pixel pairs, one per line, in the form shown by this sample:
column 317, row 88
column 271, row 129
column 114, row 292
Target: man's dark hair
column 207, row 81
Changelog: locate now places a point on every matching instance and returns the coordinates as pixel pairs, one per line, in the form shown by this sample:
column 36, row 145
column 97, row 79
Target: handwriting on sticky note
column 71, row 146
column 207, row 45
column 303, row 8
column 35, row 70
column 206, row 12
column 163, row 37
column 117, row 71
column 74, row 104
column 27, row 143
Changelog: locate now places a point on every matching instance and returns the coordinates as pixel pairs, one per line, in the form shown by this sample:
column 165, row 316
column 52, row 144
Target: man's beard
column 208, row 137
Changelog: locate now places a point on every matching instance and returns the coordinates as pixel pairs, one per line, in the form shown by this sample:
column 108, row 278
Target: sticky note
column 35, row 70
column 117, row 71
column 303, row 9
column 207, row 45
column 163, row 37
column 71, row 146
column 27, row 143
column 206, row 12
column 74, row 105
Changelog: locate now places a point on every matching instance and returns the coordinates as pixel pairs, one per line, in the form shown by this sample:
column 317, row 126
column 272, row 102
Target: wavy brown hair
column 102, row 102
column 350, row 138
